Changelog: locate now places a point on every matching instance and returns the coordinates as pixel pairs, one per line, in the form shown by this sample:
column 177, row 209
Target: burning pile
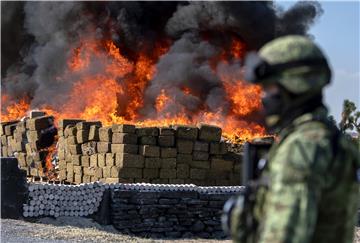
column 141, row 63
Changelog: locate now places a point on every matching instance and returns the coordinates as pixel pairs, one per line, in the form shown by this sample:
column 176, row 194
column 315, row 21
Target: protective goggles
column 257, row 69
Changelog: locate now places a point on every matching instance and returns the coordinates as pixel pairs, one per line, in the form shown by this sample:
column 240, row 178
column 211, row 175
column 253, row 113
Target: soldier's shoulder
column 312, row 132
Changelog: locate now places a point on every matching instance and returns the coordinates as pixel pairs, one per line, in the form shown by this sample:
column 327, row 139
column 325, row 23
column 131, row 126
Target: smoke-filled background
column 193, row 46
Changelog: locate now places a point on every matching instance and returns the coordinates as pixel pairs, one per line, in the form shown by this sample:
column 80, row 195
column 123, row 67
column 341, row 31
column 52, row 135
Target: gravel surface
column 72, row 229
column 67, row 230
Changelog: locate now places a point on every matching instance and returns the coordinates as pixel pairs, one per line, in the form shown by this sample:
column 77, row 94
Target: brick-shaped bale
column 187, row 132
column 124, row 148
column 167, row 173
column 89, row 148
column 218, row 148
column 147, row 131
column 103, row 147
column 199, row 155
column 94, row 160
column 221, row 164
column 63, row 123
column 184, row 146
column 166, row 141
column 166, row 131
column 105, row 134
column 147, row 140
column 168, row 152
column 199, row 164
column 76, row 159
column 129, row 160
column 40, row 123
column 131, row 173
column 149, row 151
column 149, row 173
column 74, row 149
column 82, row 136
column 101, row 160
column 183, row 158
column 124, row 138
column 85, row 161
column 201, row 146
column 153, row 162
column 168, row 163
column 109, row 159
column 85, row 125
column 94, row 133
column 123, row 128
column 199, row 174
column 209, row 133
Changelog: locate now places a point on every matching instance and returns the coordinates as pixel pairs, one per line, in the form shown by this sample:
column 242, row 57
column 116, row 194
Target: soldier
column 308, row 190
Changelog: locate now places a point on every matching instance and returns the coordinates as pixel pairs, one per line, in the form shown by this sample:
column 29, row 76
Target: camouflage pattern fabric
column 313, row 193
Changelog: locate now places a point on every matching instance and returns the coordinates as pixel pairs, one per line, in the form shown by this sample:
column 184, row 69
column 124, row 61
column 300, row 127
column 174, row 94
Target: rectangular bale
column 74, row 149
column 4, row 124
column 147, row 140
column 63, row 123
column 82, row 136
column 101, row 160
column 182, row 171
column 40, row 123
column 166, row 141
column 85, row 161
column 105, row 134
column 107, row 171
column 221, row 164
column 124, row 148
column 62, row 175
column 129, row 160
column 94, row 160
column 153, row 162
column 166, row 131
column 150, row 173
column 9, row 129
column 127, row 138
column 90, row 171
column 199, row 174
column 168, row 163
column 167, row 173
column 131, row 173
column 86, row 179
column 85, row 125
column 123, row 128
column 94, row 133
column 89, row 148
column 149, row 151
column 218, row 148
column 76, row 159
column 109, row 159
column 103, row 147
column 21, row 157
column 70, row 131
column 187, row 132
column 201, row 146
column 78, row 169
column 99, row 172
column 199, row 155
column 78, row 178
column 147, row 131
column 168, row 152
column 62, row 165
column 184, row 158
column 184, row 146
column 209, row 133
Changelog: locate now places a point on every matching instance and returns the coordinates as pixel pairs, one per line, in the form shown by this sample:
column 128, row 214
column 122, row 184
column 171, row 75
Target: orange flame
column 115, row 92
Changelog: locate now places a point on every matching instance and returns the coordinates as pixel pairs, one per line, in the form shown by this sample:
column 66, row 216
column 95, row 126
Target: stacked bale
column 7, row 130
column 63, row 200
column 77, row 144
column 40, row 135
column 28, row 140
column 129, row 154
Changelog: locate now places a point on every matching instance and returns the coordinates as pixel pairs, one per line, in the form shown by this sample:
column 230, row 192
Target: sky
column 337, row 33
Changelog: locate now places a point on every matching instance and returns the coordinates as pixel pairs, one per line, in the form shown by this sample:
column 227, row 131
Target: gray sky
column 337, row 33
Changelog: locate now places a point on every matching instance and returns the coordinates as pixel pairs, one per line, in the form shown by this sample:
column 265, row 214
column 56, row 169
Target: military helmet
column 294, row 62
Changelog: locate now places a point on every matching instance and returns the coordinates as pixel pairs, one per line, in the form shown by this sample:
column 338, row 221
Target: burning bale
column 29, row 141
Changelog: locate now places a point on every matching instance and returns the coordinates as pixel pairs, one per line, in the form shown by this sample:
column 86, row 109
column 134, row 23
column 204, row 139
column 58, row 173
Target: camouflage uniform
column 312, row 195
column 312, row 192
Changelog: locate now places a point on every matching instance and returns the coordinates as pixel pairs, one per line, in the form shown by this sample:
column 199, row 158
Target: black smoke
column 37, row 39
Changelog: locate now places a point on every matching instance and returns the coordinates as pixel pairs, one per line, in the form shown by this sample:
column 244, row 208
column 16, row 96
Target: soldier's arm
column 291, row 207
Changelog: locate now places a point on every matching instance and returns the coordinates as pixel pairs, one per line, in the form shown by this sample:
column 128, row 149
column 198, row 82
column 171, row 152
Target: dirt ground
column 66, row 230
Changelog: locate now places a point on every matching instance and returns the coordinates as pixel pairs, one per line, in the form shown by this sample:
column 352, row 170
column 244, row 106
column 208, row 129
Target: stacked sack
column 129, row 154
